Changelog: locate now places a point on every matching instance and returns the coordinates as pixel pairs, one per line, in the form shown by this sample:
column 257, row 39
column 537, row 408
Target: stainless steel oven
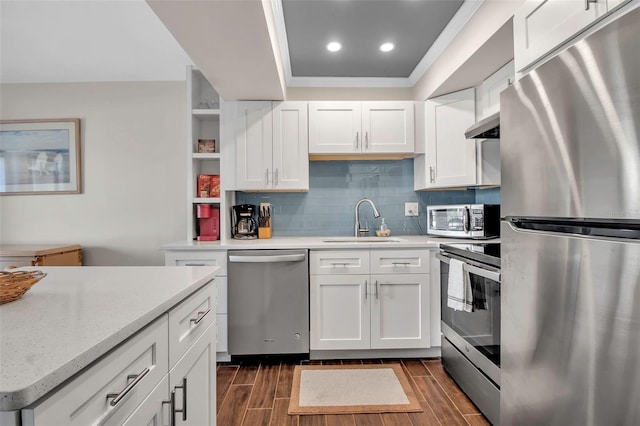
column 471, row 340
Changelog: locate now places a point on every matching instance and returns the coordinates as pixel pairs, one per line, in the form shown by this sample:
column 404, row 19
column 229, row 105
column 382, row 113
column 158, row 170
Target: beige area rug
column 351, row 389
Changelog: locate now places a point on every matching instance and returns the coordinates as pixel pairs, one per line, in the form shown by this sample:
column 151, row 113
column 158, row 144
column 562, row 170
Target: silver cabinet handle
column 194, row 264
column 401, row 263
column 201, row 316
column 376, row 289
column 586, row 3
column 172, row 405
column 267, row 176
column 341, row 264
column 275, row 177
column 366, row 290
column 117, row 397
column 174, row 410
column 267, row 259
column 366, row 140
column 357, row 140
column 431, row 174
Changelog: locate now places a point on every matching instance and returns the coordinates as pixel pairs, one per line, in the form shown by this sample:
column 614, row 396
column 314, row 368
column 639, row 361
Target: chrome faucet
column 376, row 213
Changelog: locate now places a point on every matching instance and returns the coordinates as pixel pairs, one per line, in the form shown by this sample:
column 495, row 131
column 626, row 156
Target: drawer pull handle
column 201, row 315
column 117, row 397
column 174, row 410
column 400, row 263
column 376, row 289
column 341, row 264
column 366, row 288
column 194, row 264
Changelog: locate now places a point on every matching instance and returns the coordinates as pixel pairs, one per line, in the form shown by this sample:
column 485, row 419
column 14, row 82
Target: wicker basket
column 13, row 285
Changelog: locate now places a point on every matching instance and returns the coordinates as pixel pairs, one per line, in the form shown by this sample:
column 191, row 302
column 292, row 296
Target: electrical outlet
column 411, row 209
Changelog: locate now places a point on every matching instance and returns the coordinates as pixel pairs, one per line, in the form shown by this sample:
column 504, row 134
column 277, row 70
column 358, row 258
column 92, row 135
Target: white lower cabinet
column 192, row 383
column 399, row 311
column 340, row 312
column 110, row 390
column 136, row 382
column 209, row 258
column 387, row 310
column 155, row 410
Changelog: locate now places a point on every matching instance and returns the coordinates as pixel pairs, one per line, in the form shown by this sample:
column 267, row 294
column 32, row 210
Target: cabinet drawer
column 399, row 261
column 204, row 258
column 189, row 320
column 339, row 262
column 84, row 400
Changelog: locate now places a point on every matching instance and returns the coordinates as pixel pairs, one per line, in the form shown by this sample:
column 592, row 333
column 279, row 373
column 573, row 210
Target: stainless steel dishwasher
column 268, row 302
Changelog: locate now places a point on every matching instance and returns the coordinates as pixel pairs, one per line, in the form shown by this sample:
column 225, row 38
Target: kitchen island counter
column 75, row 315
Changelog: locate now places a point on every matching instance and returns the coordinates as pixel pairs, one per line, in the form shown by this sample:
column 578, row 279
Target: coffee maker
column 244, row 225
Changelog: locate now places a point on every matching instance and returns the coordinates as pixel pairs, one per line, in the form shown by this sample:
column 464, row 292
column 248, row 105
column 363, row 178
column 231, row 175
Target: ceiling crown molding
column 462, row 16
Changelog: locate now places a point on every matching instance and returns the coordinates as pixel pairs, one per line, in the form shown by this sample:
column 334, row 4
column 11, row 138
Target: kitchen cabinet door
column 539, row 26
column 193, row 379
column 488, row 93
column 290, row 146
column 254, row 144
column 387, row 127
column 155, row 410
column 450, row 157
column 339, row 312
column 400, row 311
column 335, row 127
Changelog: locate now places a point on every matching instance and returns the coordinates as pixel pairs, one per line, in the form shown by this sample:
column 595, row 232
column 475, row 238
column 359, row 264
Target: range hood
column 489, row 128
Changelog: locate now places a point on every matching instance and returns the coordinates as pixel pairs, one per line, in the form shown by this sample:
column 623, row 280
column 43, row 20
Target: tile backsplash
column 328, row 209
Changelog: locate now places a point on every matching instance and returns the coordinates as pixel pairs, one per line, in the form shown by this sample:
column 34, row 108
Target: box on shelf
column 208, row 186
column 206, row 145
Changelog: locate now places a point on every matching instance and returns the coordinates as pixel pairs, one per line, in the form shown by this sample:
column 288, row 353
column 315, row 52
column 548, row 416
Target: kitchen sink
column 363, row 240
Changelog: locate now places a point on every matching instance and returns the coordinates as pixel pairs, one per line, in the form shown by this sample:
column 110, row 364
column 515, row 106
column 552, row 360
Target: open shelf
column 206, row 156
column 202, row 200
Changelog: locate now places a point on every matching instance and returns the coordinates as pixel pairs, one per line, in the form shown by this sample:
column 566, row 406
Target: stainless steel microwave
column 474, row 221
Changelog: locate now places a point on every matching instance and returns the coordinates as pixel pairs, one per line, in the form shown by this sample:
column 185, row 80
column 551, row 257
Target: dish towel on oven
column 459, row 293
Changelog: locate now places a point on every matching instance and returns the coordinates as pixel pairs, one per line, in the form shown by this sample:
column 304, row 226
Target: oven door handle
column 472, row 269
column 481, row 272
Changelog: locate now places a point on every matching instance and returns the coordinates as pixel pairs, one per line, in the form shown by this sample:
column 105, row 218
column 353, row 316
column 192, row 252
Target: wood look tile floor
column 258, row 395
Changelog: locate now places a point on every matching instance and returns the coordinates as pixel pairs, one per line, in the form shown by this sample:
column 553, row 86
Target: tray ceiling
column 361, row 26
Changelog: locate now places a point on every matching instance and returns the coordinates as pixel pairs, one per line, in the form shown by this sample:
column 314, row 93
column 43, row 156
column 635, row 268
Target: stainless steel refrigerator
column 570, row 147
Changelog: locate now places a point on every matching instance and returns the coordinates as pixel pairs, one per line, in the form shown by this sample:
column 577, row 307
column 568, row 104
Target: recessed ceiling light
column 334, row 46
column 386, row 47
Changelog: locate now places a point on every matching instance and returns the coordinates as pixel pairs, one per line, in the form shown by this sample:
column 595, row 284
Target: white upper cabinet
column 540, row 26
column 343, row 127
column 254, row 144
column 272, row 146
column 388, row 127
column 334, row 127
column 488, row 93
column 450, row 159
column 290, row 146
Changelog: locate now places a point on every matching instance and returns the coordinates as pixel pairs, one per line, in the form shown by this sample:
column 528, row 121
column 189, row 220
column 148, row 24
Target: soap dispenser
column 384, row 230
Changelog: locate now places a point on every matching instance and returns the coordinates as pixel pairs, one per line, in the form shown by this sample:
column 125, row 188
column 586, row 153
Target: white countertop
column 319, row 243
column 75, row 315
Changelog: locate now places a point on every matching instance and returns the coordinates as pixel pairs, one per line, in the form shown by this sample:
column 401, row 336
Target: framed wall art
column 40, row 156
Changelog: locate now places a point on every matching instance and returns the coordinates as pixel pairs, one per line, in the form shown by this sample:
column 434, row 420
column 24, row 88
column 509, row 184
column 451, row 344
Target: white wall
column 133, row 170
